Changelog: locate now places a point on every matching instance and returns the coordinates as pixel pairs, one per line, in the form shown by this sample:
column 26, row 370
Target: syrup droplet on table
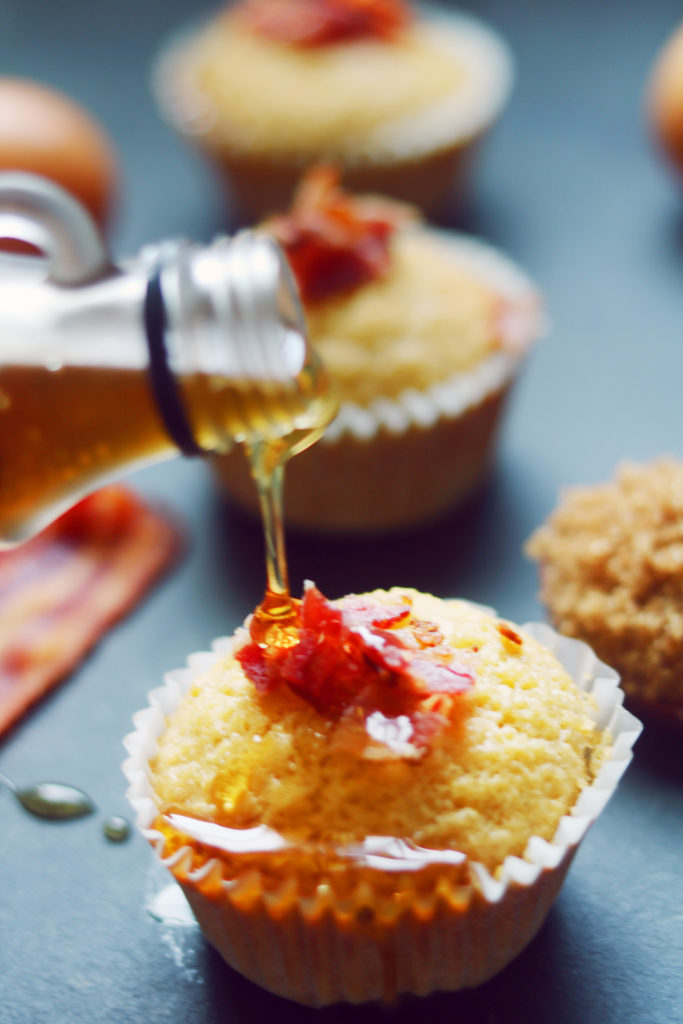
column 116, row 829
column 52, row 801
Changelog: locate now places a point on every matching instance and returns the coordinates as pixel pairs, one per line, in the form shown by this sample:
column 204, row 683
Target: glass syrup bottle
column 184, row 348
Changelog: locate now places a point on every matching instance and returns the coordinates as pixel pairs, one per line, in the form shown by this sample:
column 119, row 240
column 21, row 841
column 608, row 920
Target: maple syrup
column 275, row 620
column 65, row 431
column 116, row 829
column 52, row 801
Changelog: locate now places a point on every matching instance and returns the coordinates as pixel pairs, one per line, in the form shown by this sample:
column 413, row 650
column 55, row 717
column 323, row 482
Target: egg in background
column 45, row 132
column 664, row 99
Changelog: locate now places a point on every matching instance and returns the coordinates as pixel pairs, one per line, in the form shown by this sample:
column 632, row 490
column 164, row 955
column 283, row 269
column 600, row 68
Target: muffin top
column 392, row 305
column 397, row 714
column 265, row 89
column 425, row 320
column 611, row 559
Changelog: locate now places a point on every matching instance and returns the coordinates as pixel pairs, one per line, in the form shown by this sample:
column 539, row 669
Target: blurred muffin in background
column 611, row 567
column 397, row 97
column 422, row 332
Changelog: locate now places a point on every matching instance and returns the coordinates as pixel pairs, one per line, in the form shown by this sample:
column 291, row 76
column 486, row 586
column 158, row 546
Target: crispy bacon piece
column 322, row 22
column 511, row 638
column 431, row 677
column 61, row 590
column 366, row 611
column 336, row 242
column 357, row 661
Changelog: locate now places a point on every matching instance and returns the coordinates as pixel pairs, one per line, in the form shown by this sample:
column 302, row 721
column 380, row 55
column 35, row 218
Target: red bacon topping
column 366, row 611
column 360, row 656
column 61, row 590
column 322, row 22
column 336, row 242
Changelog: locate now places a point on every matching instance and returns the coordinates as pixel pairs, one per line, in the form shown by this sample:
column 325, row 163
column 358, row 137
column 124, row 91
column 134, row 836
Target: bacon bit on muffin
column 426, row 633
column 336, row 242
column 324, row 22
column 357, row 661
column 510, row 636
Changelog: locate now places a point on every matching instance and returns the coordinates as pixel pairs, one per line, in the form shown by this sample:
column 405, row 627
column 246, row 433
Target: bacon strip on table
column 63, row 589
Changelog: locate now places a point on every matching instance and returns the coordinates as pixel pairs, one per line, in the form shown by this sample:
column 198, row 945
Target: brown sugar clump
column 611, row 566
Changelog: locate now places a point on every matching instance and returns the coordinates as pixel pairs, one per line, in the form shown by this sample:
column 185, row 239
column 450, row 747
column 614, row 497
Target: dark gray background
column 571, row 188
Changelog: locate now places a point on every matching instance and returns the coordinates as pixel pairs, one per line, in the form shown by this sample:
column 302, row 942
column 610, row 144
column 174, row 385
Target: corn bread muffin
column 611, row 568
column 422, row 333
column 388, row 804
column 399, row 97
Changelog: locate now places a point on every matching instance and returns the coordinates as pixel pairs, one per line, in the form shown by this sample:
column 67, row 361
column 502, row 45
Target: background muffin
column 422, row 333
column 387, row 811
column 397, row 97
column 611, row 567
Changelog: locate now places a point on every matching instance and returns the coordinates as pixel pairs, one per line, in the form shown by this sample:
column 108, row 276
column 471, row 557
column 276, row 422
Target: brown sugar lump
column 611, row 568
column 399, row 96
column 389, row 803
column 423, row 334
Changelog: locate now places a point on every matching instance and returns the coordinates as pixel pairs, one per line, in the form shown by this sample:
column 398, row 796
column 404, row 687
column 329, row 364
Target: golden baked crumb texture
column 271, row 98
column 424, row 321
column 510, row 763
column 611, row 566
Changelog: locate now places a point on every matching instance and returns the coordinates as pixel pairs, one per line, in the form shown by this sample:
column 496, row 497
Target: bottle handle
column 38, row 212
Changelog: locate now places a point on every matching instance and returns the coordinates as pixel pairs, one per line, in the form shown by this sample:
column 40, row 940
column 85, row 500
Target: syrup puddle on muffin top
column 387, row 853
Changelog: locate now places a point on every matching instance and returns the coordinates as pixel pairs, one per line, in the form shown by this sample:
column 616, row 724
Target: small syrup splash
column 52, row 801
column 170, row 907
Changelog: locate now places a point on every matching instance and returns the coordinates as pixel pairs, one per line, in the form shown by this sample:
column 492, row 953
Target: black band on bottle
column 161, row 376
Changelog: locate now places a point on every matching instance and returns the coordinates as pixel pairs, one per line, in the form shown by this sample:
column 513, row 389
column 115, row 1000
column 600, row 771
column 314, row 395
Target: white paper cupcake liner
column 309, row 954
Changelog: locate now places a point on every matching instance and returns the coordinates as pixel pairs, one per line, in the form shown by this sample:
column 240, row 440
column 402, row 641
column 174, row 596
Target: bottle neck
column 229, row 361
